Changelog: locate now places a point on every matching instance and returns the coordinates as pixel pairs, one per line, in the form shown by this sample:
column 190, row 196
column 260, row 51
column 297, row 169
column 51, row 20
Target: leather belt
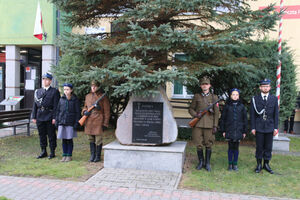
column 44, row 108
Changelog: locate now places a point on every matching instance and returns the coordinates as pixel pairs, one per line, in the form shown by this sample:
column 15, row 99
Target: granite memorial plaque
column 147, row 122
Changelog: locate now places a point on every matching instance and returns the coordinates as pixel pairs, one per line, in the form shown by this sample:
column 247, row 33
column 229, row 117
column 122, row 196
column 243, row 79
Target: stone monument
column 146, row 133
column 147, row 121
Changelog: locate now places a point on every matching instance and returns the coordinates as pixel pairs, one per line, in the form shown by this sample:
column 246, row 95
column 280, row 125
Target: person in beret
column 44, row 113
column 233, row 125
column 97, row 121
column 203, row 132
column 67, row 117
column 264, row 124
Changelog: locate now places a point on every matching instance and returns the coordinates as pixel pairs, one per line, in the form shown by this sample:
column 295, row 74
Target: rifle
column 194, row 121
column 84, row 117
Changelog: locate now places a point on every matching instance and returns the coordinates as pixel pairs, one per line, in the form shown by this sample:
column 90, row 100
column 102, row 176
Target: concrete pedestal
column 281, row 143
column 156, row 158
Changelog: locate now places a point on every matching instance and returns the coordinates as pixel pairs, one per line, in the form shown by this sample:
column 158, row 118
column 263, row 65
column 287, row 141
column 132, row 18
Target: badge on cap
column 265, row 82
column 68, row 85
column 205, row 80
column 47, row 75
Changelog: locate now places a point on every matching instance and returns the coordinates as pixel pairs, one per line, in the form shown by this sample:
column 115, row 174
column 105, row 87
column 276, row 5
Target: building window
column 180, row 91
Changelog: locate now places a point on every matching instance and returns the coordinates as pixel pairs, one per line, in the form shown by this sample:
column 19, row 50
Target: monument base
column 281, row 143
column 156, row 158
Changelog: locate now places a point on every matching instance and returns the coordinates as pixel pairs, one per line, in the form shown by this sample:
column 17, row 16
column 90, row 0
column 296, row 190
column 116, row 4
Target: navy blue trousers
column 264, row 145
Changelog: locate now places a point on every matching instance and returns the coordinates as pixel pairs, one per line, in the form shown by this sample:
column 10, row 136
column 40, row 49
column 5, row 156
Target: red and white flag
column 38, row 30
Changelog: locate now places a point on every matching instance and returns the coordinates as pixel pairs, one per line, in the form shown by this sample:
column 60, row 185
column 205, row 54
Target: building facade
column 23, row 57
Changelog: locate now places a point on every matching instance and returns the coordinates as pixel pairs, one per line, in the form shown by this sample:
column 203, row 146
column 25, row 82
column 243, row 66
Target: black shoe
column 258, row 167
column 230, row 167
column 201, row 158
column 235, row 168
column 267, row 167
column 52, row 154
column 43, row 153
column 93, row 151
column 98, row 153
column 207, row 159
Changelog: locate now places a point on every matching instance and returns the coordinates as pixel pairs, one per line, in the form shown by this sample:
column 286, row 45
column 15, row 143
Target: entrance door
column 31, row 82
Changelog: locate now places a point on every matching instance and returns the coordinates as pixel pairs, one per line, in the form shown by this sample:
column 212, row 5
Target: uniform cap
column 68, row 85
column 47, row 75
column 265, row 82
column 235, row 89
column 205, row 80
column 94, row 82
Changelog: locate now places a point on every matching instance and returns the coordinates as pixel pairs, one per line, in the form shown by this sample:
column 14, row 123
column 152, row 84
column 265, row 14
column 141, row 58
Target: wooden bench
column 15, row 117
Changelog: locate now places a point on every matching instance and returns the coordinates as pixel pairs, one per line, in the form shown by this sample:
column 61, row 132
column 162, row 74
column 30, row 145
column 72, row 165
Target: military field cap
column 68, row 85
column 265, row 82
column 205, row 80
column 235, row 89
column 47, row 75
column 96, row 83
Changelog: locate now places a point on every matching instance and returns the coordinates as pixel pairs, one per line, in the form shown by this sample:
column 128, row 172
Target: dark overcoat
column 234, row 120
column 271, row 107
column 68, row 111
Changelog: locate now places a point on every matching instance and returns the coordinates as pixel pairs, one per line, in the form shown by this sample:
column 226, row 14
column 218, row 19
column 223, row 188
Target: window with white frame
column 179, row 90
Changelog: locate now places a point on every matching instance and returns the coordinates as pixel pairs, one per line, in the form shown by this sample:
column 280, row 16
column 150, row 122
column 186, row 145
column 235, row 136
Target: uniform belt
column 44, row 108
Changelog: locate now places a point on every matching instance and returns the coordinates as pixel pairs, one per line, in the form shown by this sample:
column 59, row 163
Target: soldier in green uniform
column 203, row 132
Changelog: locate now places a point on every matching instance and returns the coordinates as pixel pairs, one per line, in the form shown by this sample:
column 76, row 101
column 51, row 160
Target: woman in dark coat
column 67, row 116
column 233, row 125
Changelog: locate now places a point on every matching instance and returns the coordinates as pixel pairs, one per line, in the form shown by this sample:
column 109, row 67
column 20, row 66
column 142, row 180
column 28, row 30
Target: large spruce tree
column 135, row 57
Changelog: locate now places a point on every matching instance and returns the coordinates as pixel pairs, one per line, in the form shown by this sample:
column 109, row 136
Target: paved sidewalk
column 132, row 178
column 19, row 188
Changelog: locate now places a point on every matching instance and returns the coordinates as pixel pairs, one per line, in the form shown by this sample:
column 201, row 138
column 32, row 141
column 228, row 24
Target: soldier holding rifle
column 206, row 127
column 97, row 119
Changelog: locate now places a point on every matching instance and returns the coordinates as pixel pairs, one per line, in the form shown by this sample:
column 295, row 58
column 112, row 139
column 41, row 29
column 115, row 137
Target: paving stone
column 13, row 188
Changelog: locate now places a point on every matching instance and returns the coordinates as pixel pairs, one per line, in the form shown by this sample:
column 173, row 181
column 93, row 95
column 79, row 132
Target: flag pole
column 278, row 72
column 44, row 30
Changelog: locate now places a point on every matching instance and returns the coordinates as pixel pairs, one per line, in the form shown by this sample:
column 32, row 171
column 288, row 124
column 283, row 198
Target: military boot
column 98, row 153
column 258, row 167
column 201, row 159
column 52, row 154
column 267, row 167
column 93, row 151
column 207, row 159
column 43, row 153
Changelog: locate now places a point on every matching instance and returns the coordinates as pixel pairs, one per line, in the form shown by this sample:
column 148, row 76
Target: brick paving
column 136, row 179
column 21, row 188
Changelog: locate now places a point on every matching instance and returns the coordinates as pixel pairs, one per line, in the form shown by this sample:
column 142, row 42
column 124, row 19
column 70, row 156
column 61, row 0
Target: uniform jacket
column 68, row 111
column 234, row 120
column 199, row 103
column 93, row 124
column 46, row 109
column 257, row 121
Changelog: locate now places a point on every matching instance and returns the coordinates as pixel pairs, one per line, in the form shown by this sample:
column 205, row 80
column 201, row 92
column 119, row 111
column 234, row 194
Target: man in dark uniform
column 264, row 124
column 43, row 114
column 203, row 132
